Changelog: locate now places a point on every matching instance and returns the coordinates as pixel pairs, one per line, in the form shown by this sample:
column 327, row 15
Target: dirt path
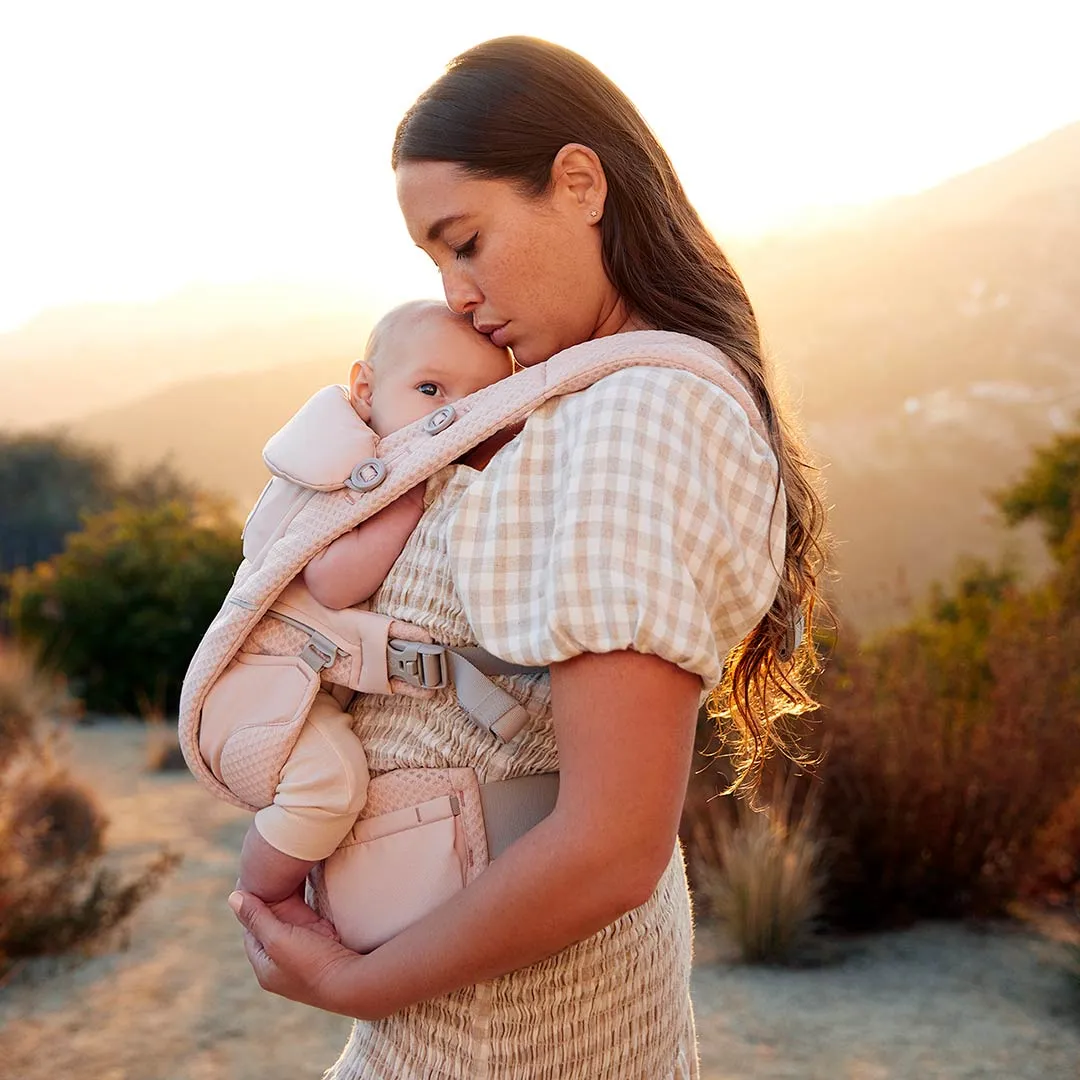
column 179, row 1003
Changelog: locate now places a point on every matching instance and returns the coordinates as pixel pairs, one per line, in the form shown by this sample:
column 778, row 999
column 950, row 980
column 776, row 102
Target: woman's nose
column 462, row 293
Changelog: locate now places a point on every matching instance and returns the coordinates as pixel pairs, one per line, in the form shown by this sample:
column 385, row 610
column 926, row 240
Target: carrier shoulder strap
column 407, row 457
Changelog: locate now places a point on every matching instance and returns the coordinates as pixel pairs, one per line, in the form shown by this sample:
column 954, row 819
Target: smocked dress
column 640, row 513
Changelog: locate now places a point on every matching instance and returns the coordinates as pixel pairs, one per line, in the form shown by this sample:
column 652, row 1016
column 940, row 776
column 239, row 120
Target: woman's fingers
column 256, row 916
column 304, row 963
column 264, row 932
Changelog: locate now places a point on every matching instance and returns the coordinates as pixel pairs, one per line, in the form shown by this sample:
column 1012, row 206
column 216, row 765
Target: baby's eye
column 429, row 388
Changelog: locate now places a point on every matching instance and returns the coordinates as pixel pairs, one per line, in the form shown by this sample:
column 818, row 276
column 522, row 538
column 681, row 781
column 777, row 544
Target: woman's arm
column 624, row 724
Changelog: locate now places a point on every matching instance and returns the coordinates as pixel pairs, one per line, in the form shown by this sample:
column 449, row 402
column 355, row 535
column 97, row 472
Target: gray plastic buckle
column 417, row 663
column 319, row 652
column 367, row 474
column 440, row 419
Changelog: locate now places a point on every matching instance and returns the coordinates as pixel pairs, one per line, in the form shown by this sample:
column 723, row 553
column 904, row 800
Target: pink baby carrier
column 271, row 646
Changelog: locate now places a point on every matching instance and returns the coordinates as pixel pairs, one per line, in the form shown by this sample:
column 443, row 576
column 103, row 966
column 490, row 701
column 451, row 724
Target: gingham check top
column 642, row 513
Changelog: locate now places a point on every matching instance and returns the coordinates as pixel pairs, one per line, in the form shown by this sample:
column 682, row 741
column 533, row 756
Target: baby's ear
column 360, row 382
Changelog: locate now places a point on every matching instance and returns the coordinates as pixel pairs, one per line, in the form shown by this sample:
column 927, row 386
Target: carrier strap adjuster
column 417, row 663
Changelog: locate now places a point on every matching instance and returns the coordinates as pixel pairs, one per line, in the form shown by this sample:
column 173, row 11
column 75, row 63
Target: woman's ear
column 361, row 378
column 576, row 174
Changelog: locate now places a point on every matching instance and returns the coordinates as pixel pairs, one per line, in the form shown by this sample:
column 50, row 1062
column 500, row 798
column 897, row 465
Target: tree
column 48, row 482
column 1049, row 492
column 121, row 609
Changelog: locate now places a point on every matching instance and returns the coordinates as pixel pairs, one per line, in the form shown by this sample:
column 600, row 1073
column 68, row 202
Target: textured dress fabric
column 639, row 513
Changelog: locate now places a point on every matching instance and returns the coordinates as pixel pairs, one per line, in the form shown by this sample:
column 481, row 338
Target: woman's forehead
column 434, row 195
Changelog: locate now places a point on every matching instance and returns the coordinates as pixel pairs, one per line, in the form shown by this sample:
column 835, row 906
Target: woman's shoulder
column 657, row 382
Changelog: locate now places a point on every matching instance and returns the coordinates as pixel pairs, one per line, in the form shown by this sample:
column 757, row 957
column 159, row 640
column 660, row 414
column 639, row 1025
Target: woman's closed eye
column 466, row 249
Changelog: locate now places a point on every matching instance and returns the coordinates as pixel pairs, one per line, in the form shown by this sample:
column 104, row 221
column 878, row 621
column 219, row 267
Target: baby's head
column 420, row 356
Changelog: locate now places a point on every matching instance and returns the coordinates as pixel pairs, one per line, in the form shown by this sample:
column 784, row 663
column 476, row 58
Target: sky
column 148, row 145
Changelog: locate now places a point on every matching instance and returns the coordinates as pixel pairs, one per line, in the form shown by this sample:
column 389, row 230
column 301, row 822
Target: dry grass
column 163, row 753
column 54, row 894
column 760, row 872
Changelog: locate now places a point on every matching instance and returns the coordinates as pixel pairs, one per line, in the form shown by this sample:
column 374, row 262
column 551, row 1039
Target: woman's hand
column 296, row 955
column 295, row 911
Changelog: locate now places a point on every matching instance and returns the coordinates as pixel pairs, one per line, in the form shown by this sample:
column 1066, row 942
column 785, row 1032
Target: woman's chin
column 526, row 355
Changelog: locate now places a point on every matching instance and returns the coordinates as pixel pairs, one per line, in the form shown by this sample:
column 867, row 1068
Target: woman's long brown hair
column 503, row 110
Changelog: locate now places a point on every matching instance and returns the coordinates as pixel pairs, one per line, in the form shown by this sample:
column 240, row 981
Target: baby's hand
column 294, row 911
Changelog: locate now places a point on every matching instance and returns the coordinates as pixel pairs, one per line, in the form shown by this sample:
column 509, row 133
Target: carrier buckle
column 318, row 652
column 440, row 419
column 417, row 663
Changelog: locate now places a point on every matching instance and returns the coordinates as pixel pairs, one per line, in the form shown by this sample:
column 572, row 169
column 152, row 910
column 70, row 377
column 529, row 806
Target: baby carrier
column 271, row 643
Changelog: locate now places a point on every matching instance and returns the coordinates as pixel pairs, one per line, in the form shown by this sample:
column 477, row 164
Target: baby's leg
column 322, row 789
column 268, row 873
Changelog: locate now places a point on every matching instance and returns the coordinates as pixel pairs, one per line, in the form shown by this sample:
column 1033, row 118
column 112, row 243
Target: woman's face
column 529, row 271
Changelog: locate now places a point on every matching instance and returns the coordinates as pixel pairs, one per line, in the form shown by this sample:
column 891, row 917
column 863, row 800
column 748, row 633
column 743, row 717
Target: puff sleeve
column 641, row 513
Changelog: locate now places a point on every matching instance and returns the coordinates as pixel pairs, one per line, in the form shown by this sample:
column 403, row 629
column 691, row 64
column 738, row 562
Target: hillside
column 212, row 429
column 931, row 345
column 73, row 361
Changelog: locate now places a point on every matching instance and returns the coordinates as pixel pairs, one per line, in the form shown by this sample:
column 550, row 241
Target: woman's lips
column 496, row 332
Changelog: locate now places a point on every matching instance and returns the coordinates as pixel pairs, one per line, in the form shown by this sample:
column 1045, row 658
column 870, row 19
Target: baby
column 419, row 356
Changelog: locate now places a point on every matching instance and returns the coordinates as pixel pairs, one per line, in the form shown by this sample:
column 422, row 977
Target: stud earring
column 593, row 213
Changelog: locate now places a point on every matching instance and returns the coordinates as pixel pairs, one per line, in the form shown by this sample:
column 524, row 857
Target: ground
column 176, row 999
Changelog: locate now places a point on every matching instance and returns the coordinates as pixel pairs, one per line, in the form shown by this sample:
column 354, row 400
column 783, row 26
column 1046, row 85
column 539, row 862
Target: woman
column 632, row 536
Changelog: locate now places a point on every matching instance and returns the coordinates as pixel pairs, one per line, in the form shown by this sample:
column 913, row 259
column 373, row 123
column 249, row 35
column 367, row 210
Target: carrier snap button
column 440, row 419
column 367, row 474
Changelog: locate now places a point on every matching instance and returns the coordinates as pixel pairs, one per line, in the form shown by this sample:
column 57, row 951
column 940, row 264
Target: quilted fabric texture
column 410, row 787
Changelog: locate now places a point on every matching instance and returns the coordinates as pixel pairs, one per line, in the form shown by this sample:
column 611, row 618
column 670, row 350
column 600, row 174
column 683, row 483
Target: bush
column 935, row 789
column 48, row 482
column 122, row 608
column 1054, row 871
column 54, row 895
column 760, row 872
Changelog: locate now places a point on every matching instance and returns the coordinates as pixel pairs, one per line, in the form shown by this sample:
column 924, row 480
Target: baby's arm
column 350, row 569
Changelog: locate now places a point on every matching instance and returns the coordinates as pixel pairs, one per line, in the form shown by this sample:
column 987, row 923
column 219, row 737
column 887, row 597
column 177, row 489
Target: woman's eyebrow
column 442, row 224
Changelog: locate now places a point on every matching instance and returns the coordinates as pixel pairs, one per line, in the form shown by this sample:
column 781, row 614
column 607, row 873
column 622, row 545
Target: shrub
column 48, row 482
column 54, row 895
column 934, row 791
column 122, row 608
column 760, row 872
column 1054, row 869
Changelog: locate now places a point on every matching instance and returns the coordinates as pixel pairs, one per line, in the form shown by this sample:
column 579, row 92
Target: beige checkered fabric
column 639, row 513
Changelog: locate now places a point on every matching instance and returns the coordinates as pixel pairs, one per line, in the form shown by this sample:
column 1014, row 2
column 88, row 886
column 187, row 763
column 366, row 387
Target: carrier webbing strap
column 434, row 666
column 513, row 807
column 490, row 664
column 489, row 705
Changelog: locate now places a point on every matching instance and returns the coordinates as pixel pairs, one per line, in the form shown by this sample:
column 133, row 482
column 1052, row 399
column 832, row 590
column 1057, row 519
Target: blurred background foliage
column 56, row 893
column 127, row 576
